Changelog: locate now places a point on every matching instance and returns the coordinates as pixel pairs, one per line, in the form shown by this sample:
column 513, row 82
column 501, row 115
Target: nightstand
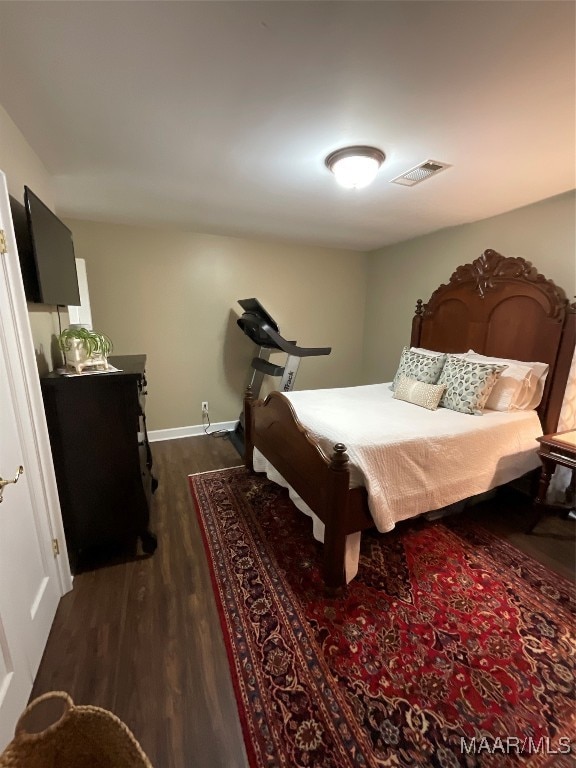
column 556, row 450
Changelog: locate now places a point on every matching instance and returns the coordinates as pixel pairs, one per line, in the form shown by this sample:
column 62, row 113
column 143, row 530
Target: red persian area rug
column 450, row 648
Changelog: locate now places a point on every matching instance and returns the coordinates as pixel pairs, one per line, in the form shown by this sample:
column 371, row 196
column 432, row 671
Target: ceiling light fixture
column 355, row 167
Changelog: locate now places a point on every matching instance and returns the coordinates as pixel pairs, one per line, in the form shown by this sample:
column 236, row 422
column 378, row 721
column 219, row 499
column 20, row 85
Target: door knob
column 3, row 482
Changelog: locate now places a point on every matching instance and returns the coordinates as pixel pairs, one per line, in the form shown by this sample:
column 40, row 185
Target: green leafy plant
column 92, row 341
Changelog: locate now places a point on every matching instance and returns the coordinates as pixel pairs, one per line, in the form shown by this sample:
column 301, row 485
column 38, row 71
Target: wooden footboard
column 322, row 481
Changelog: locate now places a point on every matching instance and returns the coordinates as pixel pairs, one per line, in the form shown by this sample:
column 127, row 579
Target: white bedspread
column 410, row 459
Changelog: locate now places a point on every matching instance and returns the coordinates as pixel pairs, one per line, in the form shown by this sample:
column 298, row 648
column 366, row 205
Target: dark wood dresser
column 102, row 458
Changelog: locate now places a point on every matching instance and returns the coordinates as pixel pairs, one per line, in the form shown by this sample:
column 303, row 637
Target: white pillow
column 433, row 353
column 520, row 386
column 514, row 387
column 429, row 352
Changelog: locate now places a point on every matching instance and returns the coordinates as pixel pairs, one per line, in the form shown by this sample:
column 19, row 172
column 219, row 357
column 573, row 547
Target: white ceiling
column 217, row 116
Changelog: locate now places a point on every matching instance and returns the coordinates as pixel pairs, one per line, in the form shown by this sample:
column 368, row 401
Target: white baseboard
column 194, row 431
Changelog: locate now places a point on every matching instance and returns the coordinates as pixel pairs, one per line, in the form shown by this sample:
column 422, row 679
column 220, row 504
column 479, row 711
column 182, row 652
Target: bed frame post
column 335, row 531
column 417, row 324
column 248, row 429
column 561, row 373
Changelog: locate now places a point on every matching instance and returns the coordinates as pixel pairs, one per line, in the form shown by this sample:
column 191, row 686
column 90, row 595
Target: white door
column 31, row 579
column 15, row 674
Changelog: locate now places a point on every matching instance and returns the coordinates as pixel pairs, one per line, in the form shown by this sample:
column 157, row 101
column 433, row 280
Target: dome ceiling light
column 355, row 167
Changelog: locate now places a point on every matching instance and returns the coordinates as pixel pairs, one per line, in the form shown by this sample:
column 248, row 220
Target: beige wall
column 543, row 233
column 23, row 166
column 173, row 295
column 20, row 163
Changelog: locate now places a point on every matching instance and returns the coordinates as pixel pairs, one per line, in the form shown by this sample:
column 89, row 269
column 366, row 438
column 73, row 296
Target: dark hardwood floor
column 142, row 637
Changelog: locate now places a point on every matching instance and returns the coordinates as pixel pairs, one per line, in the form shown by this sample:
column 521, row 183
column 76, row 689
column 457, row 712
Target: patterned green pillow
column 417, row 366
column 468, row 384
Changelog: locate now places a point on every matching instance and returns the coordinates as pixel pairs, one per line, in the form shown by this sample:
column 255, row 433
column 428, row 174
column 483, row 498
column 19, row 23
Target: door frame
column 24, row 380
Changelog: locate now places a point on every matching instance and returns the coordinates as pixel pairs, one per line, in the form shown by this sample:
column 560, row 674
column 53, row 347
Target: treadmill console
column 254, row 322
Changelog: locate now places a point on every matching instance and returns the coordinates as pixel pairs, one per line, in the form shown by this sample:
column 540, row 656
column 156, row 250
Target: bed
column 498, row 306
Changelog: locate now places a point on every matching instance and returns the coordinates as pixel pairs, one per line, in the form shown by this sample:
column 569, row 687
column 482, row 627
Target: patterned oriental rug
column 451, row 647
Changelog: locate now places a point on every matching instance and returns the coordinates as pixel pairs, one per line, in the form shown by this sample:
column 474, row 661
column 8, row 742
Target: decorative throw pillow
column 468, row 384
column 419, row 393
column 423, row 368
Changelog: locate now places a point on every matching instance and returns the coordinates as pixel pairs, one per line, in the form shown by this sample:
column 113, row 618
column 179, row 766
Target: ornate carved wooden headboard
column 503, row 307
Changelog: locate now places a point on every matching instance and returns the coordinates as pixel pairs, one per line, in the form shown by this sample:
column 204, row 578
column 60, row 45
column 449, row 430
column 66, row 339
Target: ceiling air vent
column 420, row 173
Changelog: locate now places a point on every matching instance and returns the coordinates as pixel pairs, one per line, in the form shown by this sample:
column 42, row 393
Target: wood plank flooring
column 142, row 637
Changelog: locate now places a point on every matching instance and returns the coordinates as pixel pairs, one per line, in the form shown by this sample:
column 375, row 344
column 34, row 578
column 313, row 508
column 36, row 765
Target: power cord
column 223, row 433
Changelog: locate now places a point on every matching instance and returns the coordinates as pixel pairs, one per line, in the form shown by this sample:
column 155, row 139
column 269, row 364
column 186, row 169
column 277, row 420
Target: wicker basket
column 83, row 737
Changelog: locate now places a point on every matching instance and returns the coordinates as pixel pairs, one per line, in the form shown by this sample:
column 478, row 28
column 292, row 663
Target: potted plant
column 84, row 348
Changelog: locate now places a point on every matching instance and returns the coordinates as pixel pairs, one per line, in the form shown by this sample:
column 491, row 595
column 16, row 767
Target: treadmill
column 263, row 330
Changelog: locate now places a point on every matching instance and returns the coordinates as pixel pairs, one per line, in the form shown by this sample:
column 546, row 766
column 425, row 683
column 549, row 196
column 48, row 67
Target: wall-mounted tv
column 46, row 253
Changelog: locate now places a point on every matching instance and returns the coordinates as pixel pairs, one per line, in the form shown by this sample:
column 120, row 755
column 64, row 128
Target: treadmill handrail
column 292, row 349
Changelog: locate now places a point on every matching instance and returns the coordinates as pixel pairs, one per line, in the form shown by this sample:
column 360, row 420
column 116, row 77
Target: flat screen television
column 46, row 253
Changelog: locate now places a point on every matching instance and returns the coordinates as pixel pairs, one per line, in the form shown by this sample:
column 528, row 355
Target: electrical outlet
column 205, row 407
